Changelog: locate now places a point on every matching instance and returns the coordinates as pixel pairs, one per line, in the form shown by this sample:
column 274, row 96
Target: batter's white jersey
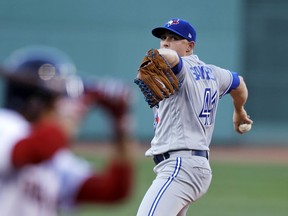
column 186, row 120
column 35, row 190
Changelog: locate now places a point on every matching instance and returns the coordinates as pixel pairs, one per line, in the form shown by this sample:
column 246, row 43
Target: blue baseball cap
column 178, row 26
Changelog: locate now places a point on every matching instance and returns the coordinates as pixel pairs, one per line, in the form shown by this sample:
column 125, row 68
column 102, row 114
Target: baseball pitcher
column 184, row 117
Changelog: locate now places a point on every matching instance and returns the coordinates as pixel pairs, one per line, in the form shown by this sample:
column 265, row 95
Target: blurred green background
column 109, row 38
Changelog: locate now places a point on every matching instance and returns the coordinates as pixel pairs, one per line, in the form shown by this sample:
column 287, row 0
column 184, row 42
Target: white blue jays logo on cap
column 173, row 22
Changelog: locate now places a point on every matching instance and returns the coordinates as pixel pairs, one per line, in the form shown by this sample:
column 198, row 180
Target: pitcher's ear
column 190, row 46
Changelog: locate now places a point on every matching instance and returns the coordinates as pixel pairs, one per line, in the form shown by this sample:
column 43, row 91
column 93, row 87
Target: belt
column 160, row 157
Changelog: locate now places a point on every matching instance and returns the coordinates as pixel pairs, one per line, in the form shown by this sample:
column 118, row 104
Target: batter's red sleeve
column 43, row 142
column 113, row 185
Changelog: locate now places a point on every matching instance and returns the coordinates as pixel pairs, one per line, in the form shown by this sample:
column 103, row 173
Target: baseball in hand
column 245, row 127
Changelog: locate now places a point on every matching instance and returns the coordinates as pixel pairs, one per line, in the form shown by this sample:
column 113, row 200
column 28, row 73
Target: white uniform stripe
column 165, row 186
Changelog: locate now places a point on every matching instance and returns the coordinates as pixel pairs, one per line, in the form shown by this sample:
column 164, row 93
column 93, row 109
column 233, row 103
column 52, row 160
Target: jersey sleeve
column 227, row 80
column 177, row 68
column 235, row 82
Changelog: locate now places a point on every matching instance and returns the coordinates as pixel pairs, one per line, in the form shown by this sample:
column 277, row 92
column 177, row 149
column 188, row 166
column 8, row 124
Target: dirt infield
column 237, row 154
column 277, row 155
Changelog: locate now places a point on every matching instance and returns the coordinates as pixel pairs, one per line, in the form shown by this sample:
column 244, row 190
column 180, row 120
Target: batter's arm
column 42, row 144
column 115, row 183
column 239, row 97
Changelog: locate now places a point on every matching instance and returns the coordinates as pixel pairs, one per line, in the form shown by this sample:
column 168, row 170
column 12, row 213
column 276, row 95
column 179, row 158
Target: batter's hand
column 111, row 94
column 241, row 117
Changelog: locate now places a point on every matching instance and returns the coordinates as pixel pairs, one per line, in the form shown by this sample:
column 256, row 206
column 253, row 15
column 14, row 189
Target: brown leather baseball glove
column 155, row 78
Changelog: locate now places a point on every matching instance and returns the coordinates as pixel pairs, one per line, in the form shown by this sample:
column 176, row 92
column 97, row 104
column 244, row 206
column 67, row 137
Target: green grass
column 236, row 190
column 243, row 189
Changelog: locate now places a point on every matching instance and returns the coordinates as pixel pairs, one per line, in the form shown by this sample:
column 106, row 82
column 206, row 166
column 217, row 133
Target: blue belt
column 160, row 157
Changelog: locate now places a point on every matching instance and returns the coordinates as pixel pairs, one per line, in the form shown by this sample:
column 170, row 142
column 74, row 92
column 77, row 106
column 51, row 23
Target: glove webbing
column 149, row 97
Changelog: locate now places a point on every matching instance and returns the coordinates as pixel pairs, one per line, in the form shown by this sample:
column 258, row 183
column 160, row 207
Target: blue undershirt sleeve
column 235, row 81
column 177, row 68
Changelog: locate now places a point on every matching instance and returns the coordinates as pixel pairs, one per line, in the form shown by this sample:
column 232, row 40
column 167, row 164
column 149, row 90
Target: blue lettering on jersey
column 209, row 107
column 202, row 72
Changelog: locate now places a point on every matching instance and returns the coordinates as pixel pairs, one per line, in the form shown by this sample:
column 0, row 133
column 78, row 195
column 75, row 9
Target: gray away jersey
column 186, row 119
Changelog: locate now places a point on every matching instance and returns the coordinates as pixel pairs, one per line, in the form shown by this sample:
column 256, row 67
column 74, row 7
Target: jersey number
column 209, row 107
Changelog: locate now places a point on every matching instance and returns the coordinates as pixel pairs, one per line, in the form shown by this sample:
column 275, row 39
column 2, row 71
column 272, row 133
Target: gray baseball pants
column 180, row 180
